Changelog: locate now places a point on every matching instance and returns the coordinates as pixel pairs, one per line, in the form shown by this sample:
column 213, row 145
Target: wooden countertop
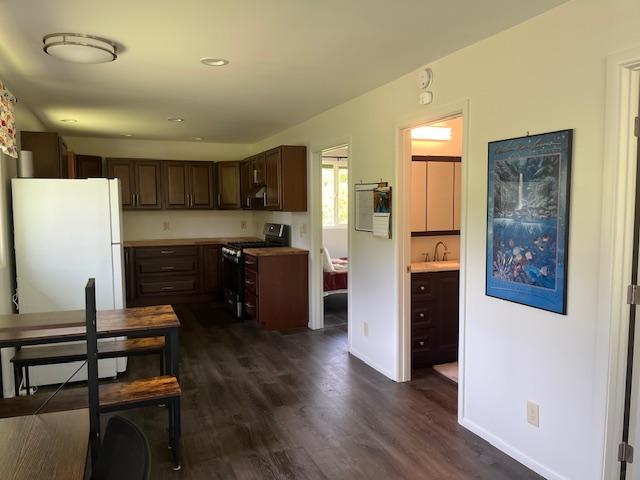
column 274, row 251
column 50, row 445
column 175, row 242
column 426, row 267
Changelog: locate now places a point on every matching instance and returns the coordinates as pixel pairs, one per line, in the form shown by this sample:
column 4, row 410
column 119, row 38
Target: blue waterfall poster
column 528, row 219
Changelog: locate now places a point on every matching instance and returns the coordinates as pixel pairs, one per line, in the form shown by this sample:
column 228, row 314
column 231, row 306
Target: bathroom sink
column 447, row 266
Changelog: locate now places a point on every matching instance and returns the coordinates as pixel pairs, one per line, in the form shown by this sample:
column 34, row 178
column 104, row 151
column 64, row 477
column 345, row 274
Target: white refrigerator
column 66, row 231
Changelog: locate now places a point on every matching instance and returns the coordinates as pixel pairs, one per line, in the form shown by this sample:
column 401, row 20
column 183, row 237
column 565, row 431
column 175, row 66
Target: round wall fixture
column 79, row 48
column 214, row 62
column 425, row 78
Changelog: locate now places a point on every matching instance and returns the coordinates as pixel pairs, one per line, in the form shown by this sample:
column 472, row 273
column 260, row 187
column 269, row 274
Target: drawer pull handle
column 422, row 288
column 421, row 315
column 167, row 252
column 249, row 306
column 167, row 288
column 249, row 263
column 421, row 343
column 249, row 282
column 167, row 268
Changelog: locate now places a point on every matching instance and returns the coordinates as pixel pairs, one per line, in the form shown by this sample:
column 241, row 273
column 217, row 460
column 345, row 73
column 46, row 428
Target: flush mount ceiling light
column 431, row 133
column 69, row 120
column 79, row 48
column 214, row 62
column 175, row 119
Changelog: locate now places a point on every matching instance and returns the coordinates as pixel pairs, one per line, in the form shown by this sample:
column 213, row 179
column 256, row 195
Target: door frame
column 403, row 230
column 315, row 181
column 619, row 178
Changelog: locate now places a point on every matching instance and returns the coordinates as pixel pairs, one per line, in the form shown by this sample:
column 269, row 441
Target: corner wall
column 543, row 75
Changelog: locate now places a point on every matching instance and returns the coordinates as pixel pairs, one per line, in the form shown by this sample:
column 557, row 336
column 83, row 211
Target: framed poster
column 528, row 220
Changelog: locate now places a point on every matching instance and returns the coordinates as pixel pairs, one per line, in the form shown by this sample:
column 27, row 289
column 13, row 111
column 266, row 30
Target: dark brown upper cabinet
column 188, row 185
column 258, row 168
column 273, row 179
column 140, row 182
column 229, row 185
column 246, row 183
column 286, row 179
column 88, row 166
column 50, row 159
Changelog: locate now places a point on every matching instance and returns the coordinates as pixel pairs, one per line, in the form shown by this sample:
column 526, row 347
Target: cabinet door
column 148, row 184
column 201, row 185
column 439, row 196
column 418, row 207
column 63, row 156
column 88, row 166
column 176, row 184
column 245, row 183
column 211, row 268
column 122, row 169
column 258, row 169
column 457, row 194
column 273, row 179
column 448, row 298
column 228, row 185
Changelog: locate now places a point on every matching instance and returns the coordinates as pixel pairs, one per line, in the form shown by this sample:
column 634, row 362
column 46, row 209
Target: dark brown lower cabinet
column 173, row 274
column 276, row 290
column 434, row 318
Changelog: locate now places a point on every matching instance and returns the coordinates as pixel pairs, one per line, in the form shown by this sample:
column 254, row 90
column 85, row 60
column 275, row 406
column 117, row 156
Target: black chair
column 117, row 396
column 124, row 454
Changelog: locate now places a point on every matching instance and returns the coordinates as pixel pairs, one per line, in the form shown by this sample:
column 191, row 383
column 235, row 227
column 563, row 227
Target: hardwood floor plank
column 266, row 405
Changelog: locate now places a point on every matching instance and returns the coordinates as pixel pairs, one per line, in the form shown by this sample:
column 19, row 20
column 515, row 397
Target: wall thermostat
column 425, row 77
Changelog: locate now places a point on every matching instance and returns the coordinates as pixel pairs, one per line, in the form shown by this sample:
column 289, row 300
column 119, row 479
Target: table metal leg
column 173, row 341
column 16, row 379
column 175, row 450
column 27, row 384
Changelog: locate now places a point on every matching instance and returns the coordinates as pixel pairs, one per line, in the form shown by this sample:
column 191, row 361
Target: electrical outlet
column 243, row 224
column 303, row 229
column 365, row 326
column 166, row 226
column 533, row 414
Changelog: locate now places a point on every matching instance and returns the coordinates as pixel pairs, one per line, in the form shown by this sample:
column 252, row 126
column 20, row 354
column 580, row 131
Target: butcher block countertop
column 175, row 242
column 274, row 251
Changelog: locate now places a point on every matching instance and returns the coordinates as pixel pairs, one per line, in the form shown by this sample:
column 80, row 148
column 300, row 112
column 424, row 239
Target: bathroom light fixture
column 431, row 133
column 69, row 120
column 214, row 62
column 79, row 48
column 175, row 119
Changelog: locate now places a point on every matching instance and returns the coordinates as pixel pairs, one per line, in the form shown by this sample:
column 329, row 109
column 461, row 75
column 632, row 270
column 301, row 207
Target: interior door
column 631, row 421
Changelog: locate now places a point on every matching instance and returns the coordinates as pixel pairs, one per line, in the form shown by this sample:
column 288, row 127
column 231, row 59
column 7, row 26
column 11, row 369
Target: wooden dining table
column 51, row 445
column 22, row 329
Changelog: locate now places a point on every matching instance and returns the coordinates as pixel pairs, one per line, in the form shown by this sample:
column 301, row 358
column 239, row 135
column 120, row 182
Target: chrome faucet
column 435, row 251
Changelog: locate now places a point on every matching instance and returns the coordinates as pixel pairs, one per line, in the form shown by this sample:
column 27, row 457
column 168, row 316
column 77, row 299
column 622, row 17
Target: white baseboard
column 372, row 364
column 511, row 451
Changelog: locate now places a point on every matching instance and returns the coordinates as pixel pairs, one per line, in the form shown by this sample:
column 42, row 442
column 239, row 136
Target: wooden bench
column 66, row 353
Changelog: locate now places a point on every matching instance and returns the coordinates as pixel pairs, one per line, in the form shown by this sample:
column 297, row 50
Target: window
column 335, row 194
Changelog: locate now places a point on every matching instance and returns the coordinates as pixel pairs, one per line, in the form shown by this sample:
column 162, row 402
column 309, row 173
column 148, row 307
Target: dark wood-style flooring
column 264, row 405
column 335, row 310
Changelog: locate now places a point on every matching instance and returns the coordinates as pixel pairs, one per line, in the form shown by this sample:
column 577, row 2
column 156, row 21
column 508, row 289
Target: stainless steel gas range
column 275, row 235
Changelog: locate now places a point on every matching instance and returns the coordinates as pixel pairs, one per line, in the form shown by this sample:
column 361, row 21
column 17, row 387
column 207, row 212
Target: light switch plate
column 365, row 326
column 166, row 226
column 533, row 414
column 243, row 224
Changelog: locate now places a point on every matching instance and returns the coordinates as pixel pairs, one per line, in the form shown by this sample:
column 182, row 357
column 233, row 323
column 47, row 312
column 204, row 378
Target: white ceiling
column 290, row 59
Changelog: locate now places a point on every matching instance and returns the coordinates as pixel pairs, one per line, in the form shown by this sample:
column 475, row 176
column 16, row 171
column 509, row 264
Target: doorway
column 335, row 235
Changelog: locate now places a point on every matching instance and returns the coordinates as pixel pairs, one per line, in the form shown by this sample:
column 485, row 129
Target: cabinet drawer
column 426, row 341
column 251, row 263
column 422, row 286
column 422, row 314
column 164, row 252
column 251, row 305
column 250, row 281
column 168, row 286
column 167, row 265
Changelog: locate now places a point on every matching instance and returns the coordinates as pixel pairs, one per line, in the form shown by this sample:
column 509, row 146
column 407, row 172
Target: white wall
column 141, row 225
column 335, row 240
column 543, row 75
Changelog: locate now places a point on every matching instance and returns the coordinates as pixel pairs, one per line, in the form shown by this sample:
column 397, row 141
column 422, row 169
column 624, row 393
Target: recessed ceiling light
column 431, row 133
column 175, row 119
column 127, row 135
column 214, row 62
column 69, row 120
column 197, row 138
column 79, row 48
